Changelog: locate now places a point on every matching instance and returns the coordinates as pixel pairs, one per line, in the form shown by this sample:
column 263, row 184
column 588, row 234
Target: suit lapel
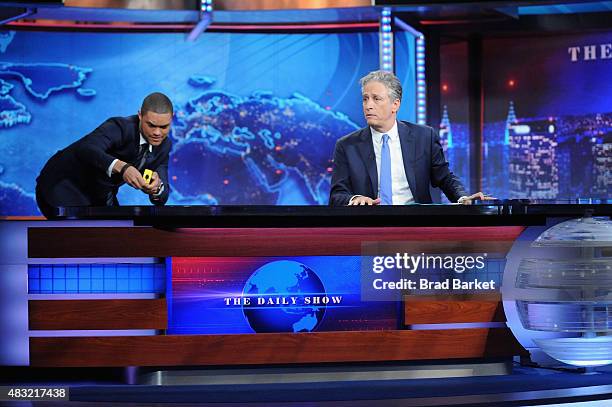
column 366, row 149
column 136, row 129
column 408, row 144
column 136, row 141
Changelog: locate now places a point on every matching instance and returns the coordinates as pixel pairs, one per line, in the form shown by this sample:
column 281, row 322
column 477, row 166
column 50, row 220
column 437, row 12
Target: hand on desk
column 363, row 200
column 467, row 200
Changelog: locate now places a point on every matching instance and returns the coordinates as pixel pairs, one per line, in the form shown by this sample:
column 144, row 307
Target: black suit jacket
column 86, row 161
column 354, row 170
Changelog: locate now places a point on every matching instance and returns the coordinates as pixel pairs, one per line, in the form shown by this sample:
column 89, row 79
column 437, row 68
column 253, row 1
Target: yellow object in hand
column 148, row 176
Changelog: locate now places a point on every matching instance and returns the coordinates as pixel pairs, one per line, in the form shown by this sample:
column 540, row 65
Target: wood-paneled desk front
column 229, row 231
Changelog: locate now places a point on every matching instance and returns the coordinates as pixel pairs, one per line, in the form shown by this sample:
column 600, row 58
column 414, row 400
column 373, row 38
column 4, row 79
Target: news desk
column 231, row 231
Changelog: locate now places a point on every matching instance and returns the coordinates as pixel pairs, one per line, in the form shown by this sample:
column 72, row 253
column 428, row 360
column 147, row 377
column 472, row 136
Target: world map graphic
column 227, row 148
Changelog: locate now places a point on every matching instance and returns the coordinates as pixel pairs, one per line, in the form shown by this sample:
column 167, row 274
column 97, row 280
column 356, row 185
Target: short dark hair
column 157, row 103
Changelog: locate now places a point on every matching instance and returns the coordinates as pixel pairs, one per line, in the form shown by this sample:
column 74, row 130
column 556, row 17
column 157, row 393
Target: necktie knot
column 385, row 138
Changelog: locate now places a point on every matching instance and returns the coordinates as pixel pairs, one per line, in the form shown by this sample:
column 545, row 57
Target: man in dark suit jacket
column 416, row 157
column 90, row 171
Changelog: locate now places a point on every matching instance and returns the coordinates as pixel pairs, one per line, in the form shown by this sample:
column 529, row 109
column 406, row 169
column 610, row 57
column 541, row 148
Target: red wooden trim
column 219, row 242
column 432, row 310
column 97, row 314
column 316, row 347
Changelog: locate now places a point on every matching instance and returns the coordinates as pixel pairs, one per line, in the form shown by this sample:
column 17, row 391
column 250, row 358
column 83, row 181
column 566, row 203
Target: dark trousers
column 64, row 193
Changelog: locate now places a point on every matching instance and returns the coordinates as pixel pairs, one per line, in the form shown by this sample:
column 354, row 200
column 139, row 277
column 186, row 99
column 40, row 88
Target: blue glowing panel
column 269, row 294
column 96, row 278
column 257, row 115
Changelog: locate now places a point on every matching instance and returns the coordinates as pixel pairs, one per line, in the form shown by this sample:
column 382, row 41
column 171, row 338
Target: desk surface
column 489, row 213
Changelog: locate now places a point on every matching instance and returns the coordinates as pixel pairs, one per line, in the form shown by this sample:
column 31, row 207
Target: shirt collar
column 393, row 134
column 144, row 141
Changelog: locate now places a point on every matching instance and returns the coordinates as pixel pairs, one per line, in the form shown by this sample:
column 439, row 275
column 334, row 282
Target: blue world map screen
column 256, row 115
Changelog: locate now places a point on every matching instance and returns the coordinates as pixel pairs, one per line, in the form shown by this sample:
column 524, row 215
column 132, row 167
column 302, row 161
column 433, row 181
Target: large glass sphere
column 567, row 291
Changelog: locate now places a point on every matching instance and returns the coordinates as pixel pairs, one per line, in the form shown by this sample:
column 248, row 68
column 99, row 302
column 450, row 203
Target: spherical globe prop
column 570, row 296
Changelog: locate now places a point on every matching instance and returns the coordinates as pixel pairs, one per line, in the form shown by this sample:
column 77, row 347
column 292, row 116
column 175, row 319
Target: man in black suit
column 390, row 162
column 90, row 171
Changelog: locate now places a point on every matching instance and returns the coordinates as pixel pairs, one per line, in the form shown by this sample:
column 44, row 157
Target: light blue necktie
column 386, row 190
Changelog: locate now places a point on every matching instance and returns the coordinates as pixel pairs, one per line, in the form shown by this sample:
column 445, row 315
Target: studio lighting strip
column 206, row 6
column 421, row 94
column 386, row 40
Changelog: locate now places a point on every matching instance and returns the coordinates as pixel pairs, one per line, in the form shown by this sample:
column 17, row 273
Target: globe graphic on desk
column 281, row 298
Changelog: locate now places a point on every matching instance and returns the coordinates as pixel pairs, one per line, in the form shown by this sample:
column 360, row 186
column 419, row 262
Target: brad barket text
column 425, row 284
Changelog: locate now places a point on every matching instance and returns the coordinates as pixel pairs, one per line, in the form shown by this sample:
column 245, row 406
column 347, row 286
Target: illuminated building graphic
column 533, row 167
column 496, row 154
column 510, row 122
column 571, row 159
column 602, row 169
column 446, row 132
column 454, row 138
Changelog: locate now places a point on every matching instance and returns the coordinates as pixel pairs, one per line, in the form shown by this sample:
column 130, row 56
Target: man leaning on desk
column 90, row 171
column 390, row 162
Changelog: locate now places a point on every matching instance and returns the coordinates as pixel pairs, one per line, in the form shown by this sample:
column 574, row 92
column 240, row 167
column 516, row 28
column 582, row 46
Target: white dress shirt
column 399, row 183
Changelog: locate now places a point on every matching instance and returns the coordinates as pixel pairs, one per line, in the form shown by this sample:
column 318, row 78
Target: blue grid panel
column 96, row 278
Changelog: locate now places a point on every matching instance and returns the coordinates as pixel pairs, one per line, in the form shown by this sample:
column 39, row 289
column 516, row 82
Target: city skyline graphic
column 565, row 157
column 547, row 130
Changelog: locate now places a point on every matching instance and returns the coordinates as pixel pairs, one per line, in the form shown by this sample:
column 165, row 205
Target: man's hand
column 153, row 187
column 467, row 200
column 132, row 177
column 364, row 200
